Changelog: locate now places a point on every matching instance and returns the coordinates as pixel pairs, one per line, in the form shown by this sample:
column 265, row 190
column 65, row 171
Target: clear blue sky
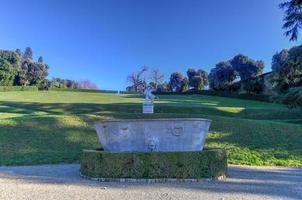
column 105, row 40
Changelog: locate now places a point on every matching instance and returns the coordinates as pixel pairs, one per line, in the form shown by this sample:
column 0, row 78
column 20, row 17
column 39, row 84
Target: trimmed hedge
column 80, row 90
column 211, row 163
column 18, row 88
column 257, row 97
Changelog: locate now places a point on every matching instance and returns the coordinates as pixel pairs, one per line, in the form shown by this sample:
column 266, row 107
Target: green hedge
column 257, row 97
column 211, row 163
column 18, row 88
column 82, row 90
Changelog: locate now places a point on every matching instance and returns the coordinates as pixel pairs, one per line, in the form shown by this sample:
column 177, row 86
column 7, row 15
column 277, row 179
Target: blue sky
column 105, row 40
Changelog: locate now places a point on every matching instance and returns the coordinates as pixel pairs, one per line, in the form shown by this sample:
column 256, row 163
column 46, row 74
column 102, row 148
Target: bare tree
column 156, row 77
column 137, row 79
column 86, row 84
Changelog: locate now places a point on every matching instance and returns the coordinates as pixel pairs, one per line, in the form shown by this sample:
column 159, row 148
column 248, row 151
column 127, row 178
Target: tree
column 7, row 73
column 293, row 18
column 279, row 59
column 197, row 79
column 44, row 84
column 246, row 68
column 22, row 77
column 85, row 84
column 157, row 78
column 287, row 69
column 137, row 80
column 184, row 85
column 10, row 57
column 292, row 98
column 71, row 84
column 66, row 83
column 37, row 72
column 9, row 63
column 178, row 83
column 253, row 85
column 29, row 71
column 19, row 52
column 163, row 87
column 222, row 76
column 40, row 59
column 28, row 54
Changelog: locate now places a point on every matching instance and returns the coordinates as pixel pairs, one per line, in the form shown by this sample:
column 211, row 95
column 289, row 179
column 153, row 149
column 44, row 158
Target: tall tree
column 7, row 73
column 178, row 83
column 279, row 59
column 9, row 65
column 197, row 79
column 28, row 54
column 246, row 67
column 37, row 72
column 293, row 18
column 157, row 78
column 137, row 80
column 222, row 76
column 287, row 69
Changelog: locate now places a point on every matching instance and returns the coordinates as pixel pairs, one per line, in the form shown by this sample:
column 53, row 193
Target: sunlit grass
column 230, row 109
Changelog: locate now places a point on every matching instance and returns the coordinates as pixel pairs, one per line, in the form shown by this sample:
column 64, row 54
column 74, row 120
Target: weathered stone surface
column 147, row 135
column 148, row 108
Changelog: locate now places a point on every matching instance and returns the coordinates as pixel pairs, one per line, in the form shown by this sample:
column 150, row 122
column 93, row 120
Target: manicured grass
column 54, row 126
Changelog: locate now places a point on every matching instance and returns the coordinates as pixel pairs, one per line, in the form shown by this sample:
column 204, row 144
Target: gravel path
column 63, row 182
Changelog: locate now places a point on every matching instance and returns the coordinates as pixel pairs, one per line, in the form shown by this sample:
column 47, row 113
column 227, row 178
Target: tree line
column 18, row 68
column 220, row 78
column 285, row 77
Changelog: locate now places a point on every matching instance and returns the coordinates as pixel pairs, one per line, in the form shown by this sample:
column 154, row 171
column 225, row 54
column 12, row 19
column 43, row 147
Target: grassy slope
column 53, row 127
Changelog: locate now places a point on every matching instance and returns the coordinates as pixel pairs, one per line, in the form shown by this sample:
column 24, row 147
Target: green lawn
column 54, row 126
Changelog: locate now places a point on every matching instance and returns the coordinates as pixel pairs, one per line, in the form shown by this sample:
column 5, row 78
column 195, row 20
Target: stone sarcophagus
column 153, row 135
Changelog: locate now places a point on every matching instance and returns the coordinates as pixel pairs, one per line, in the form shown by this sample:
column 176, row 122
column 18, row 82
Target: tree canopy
column 222, row 76
column 178, row 83
column 293, row 18
column 287, row 69
column 198, row 79
column 246, row 67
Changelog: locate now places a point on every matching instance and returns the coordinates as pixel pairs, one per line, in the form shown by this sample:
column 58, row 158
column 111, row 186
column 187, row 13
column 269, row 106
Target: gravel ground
column 63, row 182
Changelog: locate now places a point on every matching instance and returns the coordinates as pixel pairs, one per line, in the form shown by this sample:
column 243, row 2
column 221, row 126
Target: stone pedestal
column 148, row 108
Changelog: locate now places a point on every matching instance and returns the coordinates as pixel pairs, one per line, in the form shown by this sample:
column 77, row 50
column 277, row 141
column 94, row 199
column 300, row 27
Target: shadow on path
column 273, row 182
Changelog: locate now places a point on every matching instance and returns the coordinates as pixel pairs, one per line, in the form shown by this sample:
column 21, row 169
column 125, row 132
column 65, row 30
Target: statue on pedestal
column 149, row 98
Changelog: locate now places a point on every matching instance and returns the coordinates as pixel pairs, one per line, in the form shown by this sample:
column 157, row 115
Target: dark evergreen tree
column 28, row 54
column 293, row 18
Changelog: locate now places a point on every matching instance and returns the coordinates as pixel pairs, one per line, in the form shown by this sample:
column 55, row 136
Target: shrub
column 18, row 88
column 210, row 163
column 292, row 98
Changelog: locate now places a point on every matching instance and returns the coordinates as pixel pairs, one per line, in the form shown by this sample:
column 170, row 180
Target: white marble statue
column 149, row 97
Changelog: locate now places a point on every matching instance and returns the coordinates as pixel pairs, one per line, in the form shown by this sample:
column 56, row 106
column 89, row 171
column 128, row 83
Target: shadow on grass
column 169, row 107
